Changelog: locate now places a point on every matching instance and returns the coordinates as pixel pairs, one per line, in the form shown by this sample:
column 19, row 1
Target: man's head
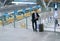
column 35, row 10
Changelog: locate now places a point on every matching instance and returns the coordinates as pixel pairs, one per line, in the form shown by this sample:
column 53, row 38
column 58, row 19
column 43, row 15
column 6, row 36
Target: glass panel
column 10, row 19
column 1, row 21
column 19, row 16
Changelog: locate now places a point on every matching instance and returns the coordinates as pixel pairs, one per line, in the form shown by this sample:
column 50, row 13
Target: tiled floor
column 16, row 34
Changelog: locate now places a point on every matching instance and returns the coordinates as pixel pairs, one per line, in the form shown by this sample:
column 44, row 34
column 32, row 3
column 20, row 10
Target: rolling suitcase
column 41, row 28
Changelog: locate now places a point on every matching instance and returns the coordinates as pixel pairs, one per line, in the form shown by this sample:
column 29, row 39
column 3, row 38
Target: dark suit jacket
column 33, row 17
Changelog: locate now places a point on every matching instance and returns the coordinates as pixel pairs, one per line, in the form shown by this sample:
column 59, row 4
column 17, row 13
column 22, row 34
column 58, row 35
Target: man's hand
column 36, row 18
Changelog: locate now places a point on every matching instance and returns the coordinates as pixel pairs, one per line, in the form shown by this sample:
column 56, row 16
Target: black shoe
column 36, row 30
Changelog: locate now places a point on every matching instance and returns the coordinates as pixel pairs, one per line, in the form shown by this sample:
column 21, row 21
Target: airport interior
column 16, row 20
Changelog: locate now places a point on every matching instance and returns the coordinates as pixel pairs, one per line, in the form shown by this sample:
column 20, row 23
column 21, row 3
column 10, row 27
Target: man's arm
column 37, row 15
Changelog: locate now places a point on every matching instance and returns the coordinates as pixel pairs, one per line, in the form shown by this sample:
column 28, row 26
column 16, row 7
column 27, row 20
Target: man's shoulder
column 32, row 13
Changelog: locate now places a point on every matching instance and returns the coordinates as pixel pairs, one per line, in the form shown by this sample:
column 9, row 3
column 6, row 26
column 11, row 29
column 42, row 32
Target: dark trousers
column 34, row 23
column 56, row 24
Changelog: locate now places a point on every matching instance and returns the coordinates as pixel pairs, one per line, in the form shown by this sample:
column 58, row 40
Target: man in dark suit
column 35, row 17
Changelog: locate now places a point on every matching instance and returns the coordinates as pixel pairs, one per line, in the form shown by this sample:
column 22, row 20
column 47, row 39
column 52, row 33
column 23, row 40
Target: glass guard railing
column 23, row 20
column 12, row 19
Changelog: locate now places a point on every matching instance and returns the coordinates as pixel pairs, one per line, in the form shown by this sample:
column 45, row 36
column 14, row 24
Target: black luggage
column 41, row 28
